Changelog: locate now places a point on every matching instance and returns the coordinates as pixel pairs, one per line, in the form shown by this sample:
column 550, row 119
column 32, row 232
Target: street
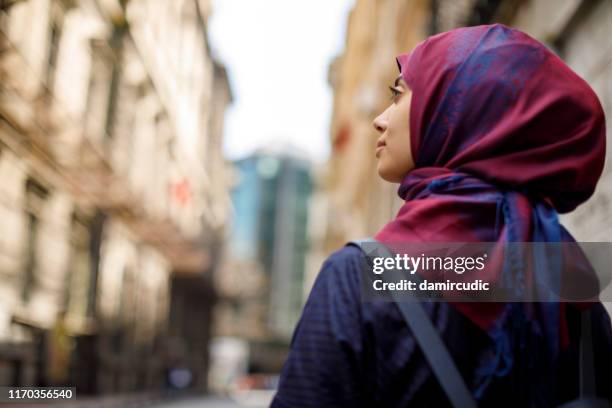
column 250, row 399
column 207, row 402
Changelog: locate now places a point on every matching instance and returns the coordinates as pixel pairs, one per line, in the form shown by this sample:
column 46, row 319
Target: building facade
column 111, row 119
column 350, row 199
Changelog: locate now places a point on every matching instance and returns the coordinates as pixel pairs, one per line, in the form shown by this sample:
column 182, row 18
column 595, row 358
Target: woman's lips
column 379, row 147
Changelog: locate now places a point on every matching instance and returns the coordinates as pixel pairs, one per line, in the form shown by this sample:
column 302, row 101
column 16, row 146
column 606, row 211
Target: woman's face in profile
column 393, row 146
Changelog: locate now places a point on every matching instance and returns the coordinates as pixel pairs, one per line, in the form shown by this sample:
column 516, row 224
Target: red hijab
column 505, row 136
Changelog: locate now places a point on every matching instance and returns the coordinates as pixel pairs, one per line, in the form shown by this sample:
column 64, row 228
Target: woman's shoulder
column 341, row 270
column 348, row 255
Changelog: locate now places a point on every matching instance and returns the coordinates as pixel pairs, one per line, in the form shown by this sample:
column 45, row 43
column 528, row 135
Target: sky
column 277, row 53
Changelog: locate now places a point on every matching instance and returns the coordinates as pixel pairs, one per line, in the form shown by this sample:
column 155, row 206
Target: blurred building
column 111, row 120
column 262, row 278
column 356, row 203
column 350, row 200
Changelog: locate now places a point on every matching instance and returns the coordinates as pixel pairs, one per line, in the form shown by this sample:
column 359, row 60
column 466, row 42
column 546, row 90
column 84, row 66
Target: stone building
column 111, row 116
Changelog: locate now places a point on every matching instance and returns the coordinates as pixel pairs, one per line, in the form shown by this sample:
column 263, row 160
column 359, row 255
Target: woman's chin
column 387, row 174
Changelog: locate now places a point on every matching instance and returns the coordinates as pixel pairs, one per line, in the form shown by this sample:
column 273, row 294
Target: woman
column 489, row 135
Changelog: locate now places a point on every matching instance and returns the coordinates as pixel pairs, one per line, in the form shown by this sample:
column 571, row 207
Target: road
column 200, row 402
column 146, row 401
column 252, row 399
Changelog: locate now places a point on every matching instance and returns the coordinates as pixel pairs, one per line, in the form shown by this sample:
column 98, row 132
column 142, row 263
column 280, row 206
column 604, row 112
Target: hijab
column 505, row 136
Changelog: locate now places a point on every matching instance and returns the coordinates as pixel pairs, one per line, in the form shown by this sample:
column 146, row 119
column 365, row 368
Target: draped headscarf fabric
column 505, row 136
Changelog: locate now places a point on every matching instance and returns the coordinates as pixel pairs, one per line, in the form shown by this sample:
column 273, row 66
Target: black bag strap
column 427, row 337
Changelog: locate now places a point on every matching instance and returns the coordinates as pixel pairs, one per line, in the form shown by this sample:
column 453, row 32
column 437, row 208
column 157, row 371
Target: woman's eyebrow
column 397, row 80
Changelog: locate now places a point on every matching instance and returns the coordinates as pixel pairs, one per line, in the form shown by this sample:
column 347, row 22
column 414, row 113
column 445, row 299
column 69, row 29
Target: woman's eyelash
column 394, row 92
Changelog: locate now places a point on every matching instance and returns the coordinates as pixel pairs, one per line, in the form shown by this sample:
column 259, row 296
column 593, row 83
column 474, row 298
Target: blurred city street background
column 174, row 173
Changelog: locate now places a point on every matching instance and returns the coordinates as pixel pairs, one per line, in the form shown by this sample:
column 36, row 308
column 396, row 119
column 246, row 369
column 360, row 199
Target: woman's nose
column 380, row 123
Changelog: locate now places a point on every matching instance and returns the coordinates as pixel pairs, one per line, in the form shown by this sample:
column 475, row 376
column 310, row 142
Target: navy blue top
column 349, row 353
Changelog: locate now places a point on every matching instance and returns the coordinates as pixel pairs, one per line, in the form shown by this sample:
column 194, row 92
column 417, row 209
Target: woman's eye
column 394, row 92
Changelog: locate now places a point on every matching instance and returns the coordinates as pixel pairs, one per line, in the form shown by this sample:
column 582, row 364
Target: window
column 56, row 20
column 34, row 202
